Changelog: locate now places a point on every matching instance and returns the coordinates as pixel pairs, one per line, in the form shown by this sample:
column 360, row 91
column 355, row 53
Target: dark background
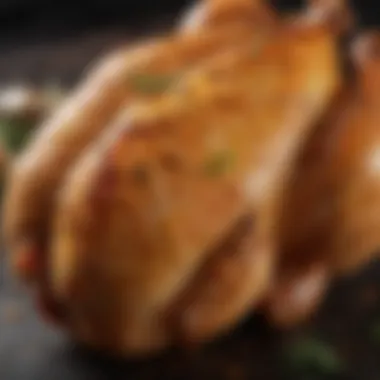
column 25, row 17
column 47, row 40
column 41, row 40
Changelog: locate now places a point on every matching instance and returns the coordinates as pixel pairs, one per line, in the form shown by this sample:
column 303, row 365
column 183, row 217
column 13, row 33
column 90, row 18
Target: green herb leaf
column 152, row 84
column 219, row 164
column 14, row 133
column 309, row 354
column 375, row 332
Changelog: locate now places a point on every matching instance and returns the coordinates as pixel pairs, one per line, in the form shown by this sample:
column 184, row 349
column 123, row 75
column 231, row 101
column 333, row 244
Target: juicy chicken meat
column 331, row 214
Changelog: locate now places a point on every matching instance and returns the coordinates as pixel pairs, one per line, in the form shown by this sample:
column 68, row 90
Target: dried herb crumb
column 152, row 84
column 219, row 164
column 375, row 332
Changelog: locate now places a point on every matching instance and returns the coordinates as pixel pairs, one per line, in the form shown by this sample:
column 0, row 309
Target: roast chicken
column 224, row 168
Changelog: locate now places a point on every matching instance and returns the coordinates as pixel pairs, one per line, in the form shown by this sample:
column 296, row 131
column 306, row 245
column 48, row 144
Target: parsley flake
column 152, row 84
column 219, row 164
column 15, row 133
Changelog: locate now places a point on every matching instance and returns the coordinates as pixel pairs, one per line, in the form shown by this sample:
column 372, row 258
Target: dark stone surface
column 31, row 350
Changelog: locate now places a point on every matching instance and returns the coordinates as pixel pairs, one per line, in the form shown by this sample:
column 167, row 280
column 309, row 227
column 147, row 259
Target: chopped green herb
column 313, row 355
column 152, row 84
column 15, row 133
column 2, row 185
column 375, row 332
column 218, row 164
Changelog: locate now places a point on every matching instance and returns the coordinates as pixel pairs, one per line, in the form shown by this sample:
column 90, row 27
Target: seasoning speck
column 313, row 355
column 140, row 174
column 219, row 164
column 152, row 84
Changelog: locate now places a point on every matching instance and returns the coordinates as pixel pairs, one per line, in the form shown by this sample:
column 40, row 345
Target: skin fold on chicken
column 331, row 215
column 143, row 71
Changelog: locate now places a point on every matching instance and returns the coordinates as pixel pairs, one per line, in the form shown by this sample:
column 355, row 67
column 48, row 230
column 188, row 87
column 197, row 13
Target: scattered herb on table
column 152, row 84
column 313, row 356
column 375, row 332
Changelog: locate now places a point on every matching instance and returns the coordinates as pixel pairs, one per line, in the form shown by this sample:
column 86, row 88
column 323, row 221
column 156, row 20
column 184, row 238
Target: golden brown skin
column 141, row 220
column 332, row 214
column 112, row 84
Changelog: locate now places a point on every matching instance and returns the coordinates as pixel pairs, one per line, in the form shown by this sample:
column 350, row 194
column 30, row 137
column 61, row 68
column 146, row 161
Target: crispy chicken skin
column 147, row 205
column 109, row 87
column 332, row 213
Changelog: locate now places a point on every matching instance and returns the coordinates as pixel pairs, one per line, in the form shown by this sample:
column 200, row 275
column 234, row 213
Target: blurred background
column 44, row 39
column 48, row 44
column 41, row 39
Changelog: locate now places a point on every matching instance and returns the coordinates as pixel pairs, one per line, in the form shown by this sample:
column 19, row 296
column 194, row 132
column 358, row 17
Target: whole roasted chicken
column 199, row 176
